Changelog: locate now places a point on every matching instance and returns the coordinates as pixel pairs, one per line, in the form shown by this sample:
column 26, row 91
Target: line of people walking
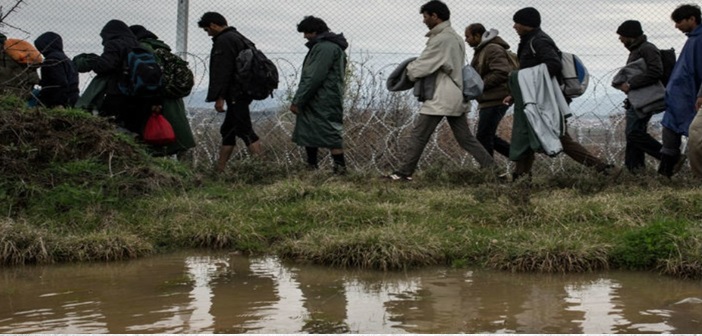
column 494, row 62
column 436, row 77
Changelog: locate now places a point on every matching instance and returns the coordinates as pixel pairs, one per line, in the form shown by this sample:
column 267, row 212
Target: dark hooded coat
column 59, row 78
column 117, row 41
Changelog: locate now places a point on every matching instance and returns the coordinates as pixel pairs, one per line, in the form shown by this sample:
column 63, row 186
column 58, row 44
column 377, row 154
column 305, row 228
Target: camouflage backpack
column 178, row 80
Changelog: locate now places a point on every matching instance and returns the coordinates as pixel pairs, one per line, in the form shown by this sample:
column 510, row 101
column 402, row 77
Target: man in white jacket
column 445, row 56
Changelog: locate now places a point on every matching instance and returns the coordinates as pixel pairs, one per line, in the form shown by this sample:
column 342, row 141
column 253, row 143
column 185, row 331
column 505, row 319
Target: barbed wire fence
column 381, row 34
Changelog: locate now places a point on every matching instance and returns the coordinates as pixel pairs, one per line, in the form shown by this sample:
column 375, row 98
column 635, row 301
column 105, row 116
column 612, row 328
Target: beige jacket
column 445, row 52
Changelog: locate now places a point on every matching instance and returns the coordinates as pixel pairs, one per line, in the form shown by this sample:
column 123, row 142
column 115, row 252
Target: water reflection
column 226, row 293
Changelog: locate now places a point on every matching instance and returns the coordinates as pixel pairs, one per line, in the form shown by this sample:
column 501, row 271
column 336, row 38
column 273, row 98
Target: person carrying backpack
column 224, row 89
column 527, row 23
column 59, row 78
column 638, row 141
column 173, row 107
column 131, row 111
column 16, row 78
column 492, row 61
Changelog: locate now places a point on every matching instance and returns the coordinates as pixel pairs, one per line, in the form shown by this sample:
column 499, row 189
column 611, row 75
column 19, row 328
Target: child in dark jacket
column 59, row 78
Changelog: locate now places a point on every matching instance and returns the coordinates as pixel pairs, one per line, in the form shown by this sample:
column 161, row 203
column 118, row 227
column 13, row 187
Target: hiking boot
column 398, row 177
column 668, row 163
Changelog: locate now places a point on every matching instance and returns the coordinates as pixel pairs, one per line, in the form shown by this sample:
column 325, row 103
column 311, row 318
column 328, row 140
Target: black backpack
column 256, row 74
column 141, row 75
column 668, row 58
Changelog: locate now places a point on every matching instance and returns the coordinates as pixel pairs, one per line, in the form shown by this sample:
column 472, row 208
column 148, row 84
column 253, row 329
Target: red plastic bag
column 158, row 130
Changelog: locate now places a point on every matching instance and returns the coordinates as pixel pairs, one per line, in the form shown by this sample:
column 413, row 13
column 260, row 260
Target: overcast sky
column 386, row 31
column 371, row 26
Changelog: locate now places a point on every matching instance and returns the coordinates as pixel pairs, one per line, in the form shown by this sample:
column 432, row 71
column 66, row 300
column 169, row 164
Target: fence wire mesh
column 381, row 34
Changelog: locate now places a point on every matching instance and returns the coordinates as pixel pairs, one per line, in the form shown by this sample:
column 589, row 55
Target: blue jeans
column 488, row 120
column 639, row 142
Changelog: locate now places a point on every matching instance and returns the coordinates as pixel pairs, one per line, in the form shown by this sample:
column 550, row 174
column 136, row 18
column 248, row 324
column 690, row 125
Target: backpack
column 472, row 83
column 668, row 58
column 513, row 59
column 257, row 74
column 177, row 80
column 22, row 51
column 574, row 75
column 142, row 75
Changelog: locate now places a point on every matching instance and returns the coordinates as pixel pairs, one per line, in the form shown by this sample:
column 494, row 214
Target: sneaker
column 504, row 177
column 679, row 164
column 398, row 177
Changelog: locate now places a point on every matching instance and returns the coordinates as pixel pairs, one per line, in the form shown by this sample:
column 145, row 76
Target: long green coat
column 320, row 94
column 174, row 112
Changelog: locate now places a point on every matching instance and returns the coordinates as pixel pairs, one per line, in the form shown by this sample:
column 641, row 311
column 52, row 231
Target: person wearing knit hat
column 630, row 28
column 638, row 141
column 528, row 16
column 535, row 48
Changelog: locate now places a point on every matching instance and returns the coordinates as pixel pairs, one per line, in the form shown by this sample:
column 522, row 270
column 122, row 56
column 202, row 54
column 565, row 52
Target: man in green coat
column 319, row 100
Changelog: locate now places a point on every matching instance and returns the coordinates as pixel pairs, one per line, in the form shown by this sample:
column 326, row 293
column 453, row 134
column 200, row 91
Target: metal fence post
column 182, row 29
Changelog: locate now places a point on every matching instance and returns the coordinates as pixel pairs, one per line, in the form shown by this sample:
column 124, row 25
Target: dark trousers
column 572, row 148
column 671, row 142
column 237, row 123
column 639, row 142
column 488, row 120
column 670, row 153
column 129, row 112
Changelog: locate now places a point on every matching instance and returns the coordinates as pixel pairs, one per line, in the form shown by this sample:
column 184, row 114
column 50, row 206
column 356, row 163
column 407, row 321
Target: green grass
column 93, row 194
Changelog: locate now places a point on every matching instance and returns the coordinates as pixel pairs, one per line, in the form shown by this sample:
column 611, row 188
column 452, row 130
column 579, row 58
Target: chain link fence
column 381, row 34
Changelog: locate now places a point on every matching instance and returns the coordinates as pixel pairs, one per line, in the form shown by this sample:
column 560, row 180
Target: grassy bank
column 95, row 195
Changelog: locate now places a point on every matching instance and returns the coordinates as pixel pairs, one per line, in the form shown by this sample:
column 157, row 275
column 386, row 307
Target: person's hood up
column 142, row 33
column 492, row 36
column 48, row 42
column 116, row 29
column 337, row 39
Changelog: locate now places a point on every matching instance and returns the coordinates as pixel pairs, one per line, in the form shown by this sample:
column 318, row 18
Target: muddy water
column 200, row 292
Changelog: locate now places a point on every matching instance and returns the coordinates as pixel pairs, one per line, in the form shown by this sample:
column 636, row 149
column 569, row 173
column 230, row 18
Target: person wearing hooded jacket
column 131, row 112
column 638, row 141
column 59, row 78
column 319, row 100
column 173, row 108
column 491, row 61
column 444, row 55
